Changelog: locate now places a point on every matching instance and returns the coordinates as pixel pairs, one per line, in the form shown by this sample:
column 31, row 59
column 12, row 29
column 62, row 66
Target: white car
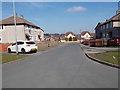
column 23, row 46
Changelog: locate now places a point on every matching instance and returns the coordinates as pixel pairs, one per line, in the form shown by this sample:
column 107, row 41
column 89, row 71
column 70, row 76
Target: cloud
column 76, row 9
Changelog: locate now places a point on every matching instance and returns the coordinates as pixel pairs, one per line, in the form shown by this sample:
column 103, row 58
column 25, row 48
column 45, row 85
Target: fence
column 3, row 47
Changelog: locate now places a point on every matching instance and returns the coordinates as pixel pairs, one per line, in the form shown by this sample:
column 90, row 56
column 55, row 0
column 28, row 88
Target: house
column 69, row 36
column 86, row 35
column 109, row 29
column 51, row 37
column 25, row 30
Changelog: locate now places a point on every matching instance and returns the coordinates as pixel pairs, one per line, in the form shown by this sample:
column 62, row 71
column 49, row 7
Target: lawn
column 109, row 56
column 11, row 57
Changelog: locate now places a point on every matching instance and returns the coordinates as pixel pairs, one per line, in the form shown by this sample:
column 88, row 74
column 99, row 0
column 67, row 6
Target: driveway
column 63, row 67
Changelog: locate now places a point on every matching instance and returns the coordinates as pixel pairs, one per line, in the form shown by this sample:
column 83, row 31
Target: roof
column 69, row 33
column 114, row 18
column 84, row 32
column 92, row 34
column 19, row 20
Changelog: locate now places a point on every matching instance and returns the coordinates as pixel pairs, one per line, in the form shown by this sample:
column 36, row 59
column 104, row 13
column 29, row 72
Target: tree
column 59, row 39
column 66, row 39
column 74, row 39
column 70, row 39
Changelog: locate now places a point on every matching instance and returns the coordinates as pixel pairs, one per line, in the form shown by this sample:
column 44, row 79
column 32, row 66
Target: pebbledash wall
column 7, row 34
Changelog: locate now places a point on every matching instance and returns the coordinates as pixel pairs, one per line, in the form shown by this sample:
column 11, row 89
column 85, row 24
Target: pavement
column 88, row 49
column 62, row 67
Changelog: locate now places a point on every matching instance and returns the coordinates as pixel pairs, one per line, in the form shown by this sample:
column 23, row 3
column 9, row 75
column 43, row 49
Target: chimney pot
column 21, row 16
column 118, row 11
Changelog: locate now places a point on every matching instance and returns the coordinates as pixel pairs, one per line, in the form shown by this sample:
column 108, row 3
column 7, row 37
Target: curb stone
column 100, row 61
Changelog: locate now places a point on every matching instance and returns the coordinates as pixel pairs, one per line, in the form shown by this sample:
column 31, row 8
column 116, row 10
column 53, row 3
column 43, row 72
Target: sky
column 62, row 17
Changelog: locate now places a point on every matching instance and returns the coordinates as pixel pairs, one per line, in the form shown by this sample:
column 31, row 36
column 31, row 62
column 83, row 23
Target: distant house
column 86, row 35
column 109, row 29
column 69, row 36
column 25, row 30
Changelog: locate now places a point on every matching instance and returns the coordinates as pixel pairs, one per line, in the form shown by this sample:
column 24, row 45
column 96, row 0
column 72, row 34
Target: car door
column 20, row 45
column 13, row 47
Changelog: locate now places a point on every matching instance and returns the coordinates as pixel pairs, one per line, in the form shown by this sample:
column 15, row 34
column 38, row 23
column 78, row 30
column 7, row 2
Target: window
column 86, row 35
column 30, row 42
column 31, row 27
column 0, row 39
column 2, row 27
column 34, row 28
column 26, row 26
column 20, row 43
column 13, row 44
column 103, row 35
column 101, row 27
column 107, row 26
column 30, row 31
column 111, row 24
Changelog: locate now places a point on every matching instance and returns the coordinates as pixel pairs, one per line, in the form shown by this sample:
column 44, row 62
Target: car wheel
column 9, row 50
column 23, row 51
column 35, row 51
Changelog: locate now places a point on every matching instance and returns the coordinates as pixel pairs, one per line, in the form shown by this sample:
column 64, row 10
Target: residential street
column 62, row 67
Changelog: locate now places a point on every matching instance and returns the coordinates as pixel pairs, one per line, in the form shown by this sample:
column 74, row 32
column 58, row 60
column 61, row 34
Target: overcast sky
column 61, row 17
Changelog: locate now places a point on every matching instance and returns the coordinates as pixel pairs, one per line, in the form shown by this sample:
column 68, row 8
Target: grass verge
column 11, row 57
column 109, row 56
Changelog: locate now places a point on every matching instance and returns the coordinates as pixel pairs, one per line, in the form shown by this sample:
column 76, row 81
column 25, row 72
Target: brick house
column 25, row 30
column 109, row 29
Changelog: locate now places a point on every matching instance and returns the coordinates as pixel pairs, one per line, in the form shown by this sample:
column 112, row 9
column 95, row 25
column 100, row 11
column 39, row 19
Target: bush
column 66, row 39
column 74, row 39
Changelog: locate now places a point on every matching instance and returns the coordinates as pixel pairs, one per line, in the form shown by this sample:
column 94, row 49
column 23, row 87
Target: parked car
column 23, row 47
column 86, row 42
column 114, row 41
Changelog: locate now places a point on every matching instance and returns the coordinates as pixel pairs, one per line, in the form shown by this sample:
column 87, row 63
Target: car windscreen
column 30, row 42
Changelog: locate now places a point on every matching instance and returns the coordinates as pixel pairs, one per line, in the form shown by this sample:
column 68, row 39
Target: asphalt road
column 62, row 67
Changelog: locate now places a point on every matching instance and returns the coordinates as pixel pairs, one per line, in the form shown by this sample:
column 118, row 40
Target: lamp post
column 14, row 12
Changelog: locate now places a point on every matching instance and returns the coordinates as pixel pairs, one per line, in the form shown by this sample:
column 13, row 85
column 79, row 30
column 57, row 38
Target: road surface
column 62, row 67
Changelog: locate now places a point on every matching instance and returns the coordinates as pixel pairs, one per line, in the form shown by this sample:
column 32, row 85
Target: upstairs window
column 26, row 26
column 0, row 39
column 111, row 24
column 34, row 28
column 30, row 27
column 2, row 27
column 101, row 27
column 107, row 25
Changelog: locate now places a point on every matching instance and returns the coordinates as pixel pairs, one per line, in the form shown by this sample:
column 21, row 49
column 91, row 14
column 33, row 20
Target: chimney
column 21, row 16
column 106, row 19
column 118, row 11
